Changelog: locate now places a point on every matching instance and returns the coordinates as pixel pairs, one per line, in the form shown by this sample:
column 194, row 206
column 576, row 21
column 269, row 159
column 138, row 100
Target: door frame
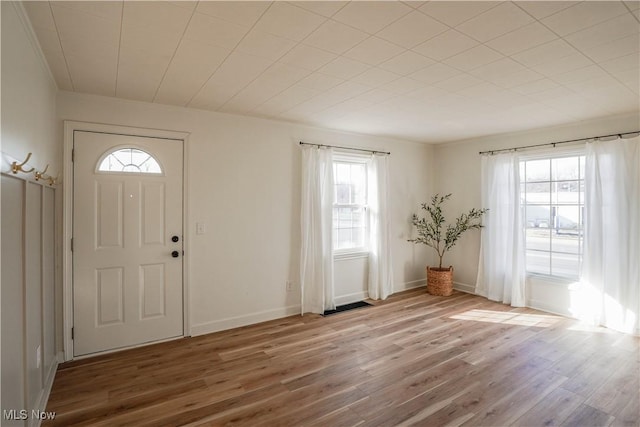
column 70, row 127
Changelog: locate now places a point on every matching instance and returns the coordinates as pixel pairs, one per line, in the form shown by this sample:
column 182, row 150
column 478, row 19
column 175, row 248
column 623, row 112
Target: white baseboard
column 354, row 297
column 549, row 308
column 278, row 313
column 410, row 285
column 249, row 319
column 464, row 287
column 44, row 395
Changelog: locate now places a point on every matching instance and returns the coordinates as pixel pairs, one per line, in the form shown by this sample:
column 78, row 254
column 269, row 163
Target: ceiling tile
column 549, row 94
column 611, row 30
column 147, row 40
column 345, row 91
column 373, row 51
column 344, row 68
column 286, row 20
column 496, row 21
column 193, row 54
column 214, row 31
column 320, row 81
column 54, row 56
column 194, row 62
column 544, row 53
column 510, row 80
column 281, row 73
column 482, row 90
column 155, row 14
column 308, row 57
column 614, row 49
column 563, row 65
column 259, row 43
column 82, row 34
column 473, row 58
column 623, row 63
column 630, row 79
column 431, row 94
column 237, row 71
column 111, row 10
column 454, row 13
column 40, row 15
column 335, row 37
column 402, row 85
column 412, row 29
column 92, row 75
column 255, row 94
column 139, row 75
column 244, row 13
column 375, row 77
column 521, row 39
column 445, row 45
column 414, row 4
column 406, row 63
column 324, row 8
column 289, row 98
column 540, row 9
column 535, row 86
column 577, row 75
column 583, row 15
column 435, row 73
column 458, row 83
column 497, row 69
column 371, row 17
column 376, row 95
column 632, row 4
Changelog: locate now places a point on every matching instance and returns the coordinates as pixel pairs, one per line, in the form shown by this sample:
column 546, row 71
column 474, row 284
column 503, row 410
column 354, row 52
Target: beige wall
column 244, row 184
column 29, row 219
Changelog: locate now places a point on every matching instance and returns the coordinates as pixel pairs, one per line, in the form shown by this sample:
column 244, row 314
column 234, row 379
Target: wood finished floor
column 414, row 359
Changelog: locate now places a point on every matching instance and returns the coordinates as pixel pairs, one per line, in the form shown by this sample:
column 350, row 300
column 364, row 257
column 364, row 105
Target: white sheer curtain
column 380, row 269
column 501, row 266
column 610, row 288
column 316, row 257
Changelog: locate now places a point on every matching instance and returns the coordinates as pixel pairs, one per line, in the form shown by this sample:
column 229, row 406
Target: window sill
column 339, row 256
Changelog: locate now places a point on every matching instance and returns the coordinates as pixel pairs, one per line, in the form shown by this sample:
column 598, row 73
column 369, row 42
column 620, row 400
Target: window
column 350, row 222
column 131, row 160
column 552, row 196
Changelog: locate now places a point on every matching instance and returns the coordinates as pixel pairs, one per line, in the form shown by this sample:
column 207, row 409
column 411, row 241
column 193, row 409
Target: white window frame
column 557, row 153
column 355, row 252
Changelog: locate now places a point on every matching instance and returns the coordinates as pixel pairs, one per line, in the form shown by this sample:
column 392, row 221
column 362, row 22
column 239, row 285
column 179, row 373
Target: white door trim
column 67, row 225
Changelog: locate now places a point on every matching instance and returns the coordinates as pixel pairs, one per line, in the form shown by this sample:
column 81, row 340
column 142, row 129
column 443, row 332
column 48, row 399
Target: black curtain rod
column 347, row 148
column 619, row 135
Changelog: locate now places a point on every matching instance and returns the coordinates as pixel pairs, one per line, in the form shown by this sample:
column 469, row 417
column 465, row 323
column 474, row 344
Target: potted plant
column 431, row 233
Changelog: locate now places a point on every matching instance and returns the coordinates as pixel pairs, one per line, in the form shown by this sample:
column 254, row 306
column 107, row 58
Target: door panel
column 127, row 286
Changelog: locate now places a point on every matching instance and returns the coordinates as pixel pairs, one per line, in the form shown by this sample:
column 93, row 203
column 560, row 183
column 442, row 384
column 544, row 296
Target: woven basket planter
column 440, row 281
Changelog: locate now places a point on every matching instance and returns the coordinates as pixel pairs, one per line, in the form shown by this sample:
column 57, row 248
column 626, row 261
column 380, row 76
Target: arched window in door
column 129, row 160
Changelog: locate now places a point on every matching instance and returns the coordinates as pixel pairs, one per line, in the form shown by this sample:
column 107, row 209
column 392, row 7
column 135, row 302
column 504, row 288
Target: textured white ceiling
column 426, row 71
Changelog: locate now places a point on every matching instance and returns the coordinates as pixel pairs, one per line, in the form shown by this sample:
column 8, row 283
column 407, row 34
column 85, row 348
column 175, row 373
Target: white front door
column 127, row 241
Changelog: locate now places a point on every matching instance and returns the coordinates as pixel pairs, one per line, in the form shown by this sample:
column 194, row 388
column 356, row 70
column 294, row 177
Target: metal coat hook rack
column 39, row 175
column 15, row 167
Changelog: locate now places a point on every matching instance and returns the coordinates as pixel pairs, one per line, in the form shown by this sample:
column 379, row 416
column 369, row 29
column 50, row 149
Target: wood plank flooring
column 414, row 359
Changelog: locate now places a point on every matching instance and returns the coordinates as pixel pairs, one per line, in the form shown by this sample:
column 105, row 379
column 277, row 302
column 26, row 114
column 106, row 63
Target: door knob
column 175, row 239
column 175, row 254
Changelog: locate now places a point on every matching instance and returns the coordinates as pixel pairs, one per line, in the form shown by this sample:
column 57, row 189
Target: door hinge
column 73, row 154
column 72, row 244
column 72, row 333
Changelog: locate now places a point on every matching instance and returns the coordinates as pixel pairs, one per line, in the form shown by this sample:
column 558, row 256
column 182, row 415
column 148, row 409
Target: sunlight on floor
column 510, row 318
